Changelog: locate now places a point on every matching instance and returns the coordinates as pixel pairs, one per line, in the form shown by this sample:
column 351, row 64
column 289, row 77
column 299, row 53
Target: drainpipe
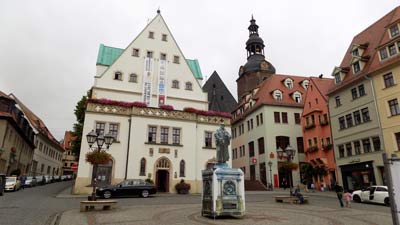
column 377, row 113
column 127, row 150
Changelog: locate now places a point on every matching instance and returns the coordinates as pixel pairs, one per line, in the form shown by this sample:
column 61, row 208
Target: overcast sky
column 48, row 49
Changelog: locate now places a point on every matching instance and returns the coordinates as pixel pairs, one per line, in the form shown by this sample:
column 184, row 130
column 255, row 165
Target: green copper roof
column 195, row 68
column 107, row 55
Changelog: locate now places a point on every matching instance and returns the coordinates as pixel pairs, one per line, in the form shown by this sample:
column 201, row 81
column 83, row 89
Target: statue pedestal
column 223, row 192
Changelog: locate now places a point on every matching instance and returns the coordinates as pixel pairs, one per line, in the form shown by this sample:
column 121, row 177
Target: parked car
column 2, row 183
column 56, row 178
column 40, row 180
column 12, row 184
column 127, row 188
column 30, row 182
column 69, row 177
column 373, row 194
column 48, row 179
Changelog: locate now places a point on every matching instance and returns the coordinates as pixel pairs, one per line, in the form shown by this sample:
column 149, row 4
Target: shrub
column 182, row 187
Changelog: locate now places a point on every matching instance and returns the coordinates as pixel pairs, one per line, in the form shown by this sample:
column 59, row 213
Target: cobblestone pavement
column 256, row 213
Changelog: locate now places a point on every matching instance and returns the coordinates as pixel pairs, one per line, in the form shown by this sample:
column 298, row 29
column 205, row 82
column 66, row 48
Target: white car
column 373, row 194
column 12, row 184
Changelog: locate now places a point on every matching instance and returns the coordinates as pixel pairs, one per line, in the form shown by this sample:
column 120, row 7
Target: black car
column 132, row 187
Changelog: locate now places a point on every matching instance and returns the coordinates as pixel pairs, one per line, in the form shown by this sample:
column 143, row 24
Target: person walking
column 339, row 192
column 312, row 187
column 347, row 198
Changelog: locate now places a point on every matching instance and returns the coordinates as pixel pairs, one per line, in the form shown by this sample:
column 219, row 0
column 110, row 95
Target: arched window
column 133, row 78
column 188, row 86
column 175, row 84
column 182, row 168
column 142, row 167
column 118, row 76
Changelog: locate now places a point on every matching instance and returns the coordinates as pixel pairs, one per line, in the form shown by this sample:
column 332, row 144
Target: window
column 361, row 90
column 394, row 31
column 113, row 130
column 135, row 52
column 338, row 79
column 251, row 124
column 282, row 142
column 342, row 124
column 152, row 134
column 309, row 143
column 392, row 50
column 349, row 150
column 341, row 151
column 337, row 100
column 176, row 59
column 357, row 147
column 289, row 84
column 356, row 67
column 164, row 37
column 188, row 86
column 261, row 148
column 133, row 78
column 175, row 84
column 349, row 120
column 118, row 76
column 365, row 115
column 208, row 139
column 357, row 117
column 355, row 52
column 397, row 137
column 278, row 96
column 176, row 136
column 300, row 145
column 151, row 34
column 149, row 54
column 277, row 117
column 366, row 145
column 142, row 167
column 248, row 125
column 164, row 135
column 377, row 143
column 251, row 149
column 284, row 117
column 315, row 141
column 182, row 168
column 261, row 118
column 100, row 127
column 354, row 93
column 257, row 120
column 328, row 141
column 297, row 98
column 394, row 107
column 388, row 78
column 297, row 119
column 383, row 53
column 163, row 56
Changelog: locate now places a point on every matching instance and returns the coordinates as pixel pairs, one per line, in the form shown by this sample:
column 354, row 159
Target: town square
column 172, row 112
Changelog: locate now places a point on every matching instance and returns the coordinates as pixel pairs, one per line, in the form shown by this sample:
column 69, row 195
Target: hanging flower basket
column 167, row 107
column 98, row 157
column 289, row 166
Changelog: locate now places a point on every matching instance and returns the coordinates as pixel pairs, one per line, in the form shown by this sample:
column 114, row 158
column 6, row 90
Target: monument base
column 223, row 192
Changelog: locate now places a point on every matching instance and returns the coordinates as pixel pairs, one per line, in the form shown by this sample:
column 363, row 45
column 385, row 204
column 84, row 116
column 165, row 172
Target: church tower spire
column 256, row 68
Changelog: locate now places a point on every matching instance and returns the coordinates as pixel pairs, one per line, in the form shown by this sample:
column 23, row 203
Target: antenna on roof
column 321, row 75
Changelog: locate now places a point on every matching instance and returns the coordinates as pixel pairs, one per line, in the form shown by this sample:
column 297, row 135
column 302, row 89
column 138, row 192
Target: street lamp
column 290, row 152
column 100, row 140
column 270, row 175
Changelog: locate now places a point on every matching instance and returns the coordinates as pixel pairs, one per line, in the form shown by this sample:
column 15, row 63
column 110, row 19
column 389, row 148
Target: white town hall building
column 149, row 97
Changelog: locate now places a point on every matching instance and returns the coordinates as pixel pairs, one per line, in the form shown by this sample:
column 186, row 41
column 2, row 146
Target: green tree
column 79, row 112
column 308, row 172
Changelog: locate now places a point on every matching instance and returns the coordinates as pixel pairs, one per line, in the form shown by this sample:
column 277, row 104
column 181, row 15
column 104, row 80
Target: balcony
column 312, row 149
column 309, row 126
column 327, row 147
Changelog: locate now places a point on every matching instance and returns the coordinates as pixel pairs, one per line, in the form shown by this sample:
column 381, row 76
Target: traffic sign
column 74, row 167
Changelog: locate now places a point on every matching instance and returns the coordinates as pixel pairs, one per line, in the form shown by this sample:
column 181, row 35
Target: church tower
column 257, row 68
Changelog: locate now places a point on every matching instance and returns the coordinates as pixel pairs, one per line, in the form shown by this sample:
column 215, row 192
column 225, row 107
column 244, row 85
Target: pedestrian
column 324, row 186
column 347, row 198
column 284, row 184
column 339, row 192
column 22, row 180
column 312, row 187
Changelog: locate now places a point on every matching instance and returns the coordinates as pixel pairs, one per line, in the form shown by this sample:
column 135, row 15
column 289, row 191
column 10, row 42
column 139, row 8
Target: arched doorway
column 162, row 174
column 104, row 174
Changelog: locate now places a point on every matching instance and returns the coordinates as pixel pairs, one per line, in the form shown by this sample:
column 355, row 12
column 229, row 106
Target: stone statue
column 222, row 140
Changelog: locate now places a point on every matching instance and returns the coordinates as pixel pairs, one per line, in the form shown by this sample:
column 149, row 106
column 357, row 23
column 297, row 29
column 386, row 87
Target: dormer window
column 338, row 78
column 383, row 53
column 305, row 84
column 118, row 76
column 297, row 97
column 278, row 95
column 394, row 31
column 392, row 50
column 356, row 67
column 355, row 52
column 289, row 83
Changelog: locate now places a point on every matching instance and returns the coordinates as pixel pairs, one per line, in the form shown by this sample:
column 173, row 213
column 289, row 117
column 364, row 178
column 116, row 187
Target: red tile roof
column 373, row 37
column 36, row 122
column 321, row 85
column 68, row 137
column 263, row 95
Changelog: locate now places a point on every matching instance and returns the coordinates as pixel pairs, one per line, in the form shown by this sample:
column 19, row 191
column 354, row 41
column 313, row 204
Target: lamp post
column 290, row 152
column 93, row 137
column 270, row 175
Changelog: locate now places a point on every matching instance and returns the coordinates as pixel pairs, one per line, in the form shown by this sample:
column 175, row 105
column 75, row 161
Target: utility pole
column 389, row 182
